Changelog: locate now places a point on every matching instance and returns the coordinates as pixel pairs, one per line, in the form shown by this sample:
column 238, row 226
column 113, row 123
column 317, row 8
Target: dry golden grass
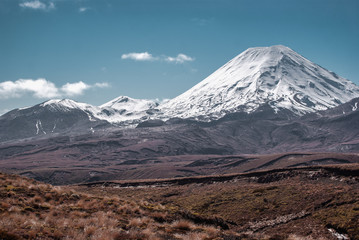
column 292, row 204
column 182, row 225
column 305, row 205
column 32, row 210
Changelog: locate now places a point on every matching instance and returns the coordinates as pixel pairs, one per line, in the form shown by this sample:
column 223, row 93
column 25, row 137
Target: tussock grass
column 315, row 204
column 33, row 210
column 308, row 203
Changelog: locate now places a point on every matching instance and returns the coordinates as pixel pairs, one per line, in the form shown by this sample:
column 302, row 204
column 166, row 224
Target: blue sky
column 93, row 51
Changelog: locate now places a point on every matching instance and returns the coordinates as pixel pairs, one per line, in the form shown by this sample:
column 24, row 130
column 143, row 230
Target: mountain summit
column 274, row 75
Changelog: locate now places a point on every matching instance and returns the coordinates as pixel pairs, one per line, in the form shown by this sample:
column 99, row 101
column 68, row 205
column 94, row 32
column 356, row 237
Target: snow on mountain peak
column 125, row 109
column 130, row 104
column 276, row 75
column 65, row 105
column 121, row 110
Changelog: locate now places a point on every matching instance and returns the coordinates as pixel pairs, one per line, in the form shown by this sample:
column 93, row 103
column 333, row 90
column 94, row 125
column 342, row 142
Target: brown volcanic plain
column 77, row 163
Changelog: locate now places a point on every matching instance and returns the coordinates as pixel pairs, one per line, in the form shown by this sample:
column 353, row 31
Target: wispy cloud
column 145, row 56
column 42, row 88
column 37, row 5
column 181, row 58
column 83, row 9
column 101, row 85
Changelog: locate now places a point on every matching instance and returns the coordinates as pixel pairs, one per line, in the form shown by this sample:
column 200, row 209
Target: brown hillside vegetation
column 33, row 210
column 301, row 203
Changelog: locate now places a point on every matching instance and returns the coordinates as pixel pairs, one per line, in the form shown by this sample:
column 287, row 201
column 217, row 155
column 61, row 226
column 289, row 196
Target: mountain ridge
column 260, row 80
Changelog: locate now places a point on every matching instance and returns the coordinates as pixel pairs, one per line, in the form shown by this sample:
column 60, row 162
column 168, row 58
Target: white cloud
column 74, row 89
column 144, row 56
column 41, row 88
column 36, row 4
column 181, row 58
column 83, row 9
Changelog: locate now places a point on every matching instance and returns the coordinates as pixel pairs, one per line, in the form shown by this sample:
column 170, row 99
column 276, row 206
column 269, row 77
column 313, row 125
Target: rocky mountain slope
column 66, row 116
column 49, row 119
column 240, row 142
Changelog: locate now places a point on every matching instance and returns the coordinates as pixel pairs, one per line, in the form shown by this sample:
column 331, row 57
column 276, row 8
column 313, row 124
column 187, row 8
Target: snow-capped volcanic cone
column 275, row 75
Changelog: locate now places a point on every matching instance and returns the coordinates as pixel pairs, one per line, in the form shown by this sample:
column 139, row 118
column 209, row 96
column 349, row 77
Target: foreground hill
column 302, row 203
column 33, row 210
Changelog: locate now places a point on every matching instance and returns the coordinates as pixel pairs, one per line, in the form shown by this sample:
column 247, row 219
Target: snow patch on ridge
column 38, row 126
column 355, row 107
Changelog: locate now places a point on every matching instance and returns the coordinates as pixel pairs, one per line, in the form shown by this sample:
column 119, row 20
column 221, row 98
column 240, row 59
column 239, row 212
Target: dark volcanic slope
column 73, row 160
column 47, row 120
column 184, row 148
